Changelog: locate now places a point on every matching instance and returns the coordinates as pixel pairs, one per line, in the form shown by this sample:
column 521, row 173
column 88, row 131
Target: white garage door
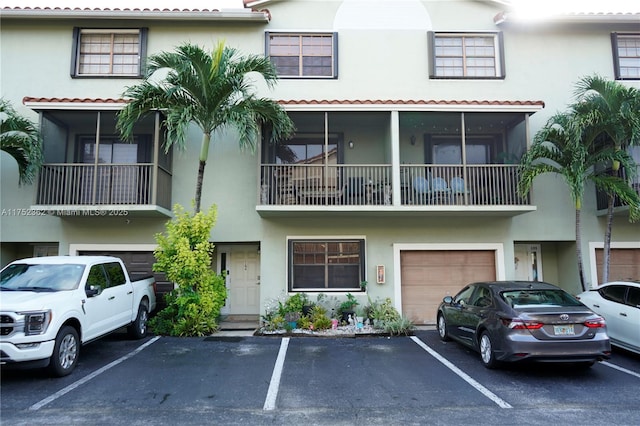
column 429, row 275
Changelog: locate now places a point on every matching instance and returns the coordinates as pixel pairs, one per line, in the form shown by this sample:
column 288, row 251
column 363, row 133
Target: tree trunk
column 204, row 154
column 606, row 251
column 583, row 280
column 199, row 185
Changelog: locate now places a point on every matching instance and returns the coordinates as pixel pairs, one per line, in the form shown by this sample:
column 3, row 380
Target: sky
column 534, row 6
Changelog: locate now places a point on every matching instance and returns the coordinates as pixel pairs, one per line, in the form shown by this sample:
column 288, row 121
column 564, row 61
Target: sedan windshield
column 25, row 277
column 527, row 298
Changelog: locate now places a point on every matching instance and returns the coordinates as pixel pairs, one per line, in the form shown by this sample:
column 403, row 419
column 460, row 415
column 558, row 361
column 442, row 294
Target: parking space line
column 85, row 379
column 464, row 376
column 274, row 385
column 617, row 367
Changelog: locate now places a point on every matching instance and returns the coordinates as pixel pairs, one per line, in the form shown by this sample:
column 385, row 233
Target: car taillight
column 520, row 324
column 595, row 323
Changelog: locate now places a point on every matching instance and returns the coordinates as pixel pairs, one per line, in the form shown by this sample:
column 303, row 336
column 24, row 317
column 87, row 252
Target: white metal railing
column 88, row 184
column 424, row 184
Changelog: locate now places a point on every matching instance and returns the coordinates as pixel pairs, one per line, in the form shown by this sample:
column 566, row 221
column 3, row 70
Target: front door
column 243, row 279
column 527, row 262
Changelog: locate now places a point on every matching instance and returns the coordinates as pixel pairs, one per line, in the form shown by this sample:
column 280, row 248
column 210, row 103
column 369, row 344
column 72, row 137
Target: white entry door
column 243, row 280
column 527, row 262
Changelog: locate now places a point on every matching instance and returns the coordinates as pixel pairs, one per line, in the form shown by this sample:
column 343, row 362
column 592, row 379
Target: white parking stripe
column 464, row 376
column 85, row 379
column 617, row 367
column 272, row 393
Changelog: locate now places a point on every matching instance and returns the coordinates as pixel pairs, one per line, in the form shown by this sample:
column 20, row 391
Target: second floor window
column 473, row 55
column 108, row 52
column 307, row 55
column 626, row 56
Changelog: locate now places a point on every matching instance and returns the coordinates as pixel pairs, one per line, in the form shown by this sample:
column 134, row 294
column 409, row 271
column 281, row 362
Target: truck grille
column 7, row 324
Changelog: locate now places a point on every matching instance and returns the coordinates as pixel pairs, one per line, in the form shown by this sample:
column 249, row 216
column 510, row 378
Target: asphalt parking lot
column 246, row 380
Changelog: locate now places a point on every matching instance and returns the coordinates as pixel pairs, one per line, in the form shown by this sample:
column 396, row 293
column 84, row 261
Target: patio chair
column 458, row 190
column 421, row 190
column 440, row 191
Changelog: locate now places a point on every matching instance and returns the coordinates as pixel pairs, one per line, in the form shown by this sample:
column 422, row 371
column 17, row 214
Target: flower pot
column 346, row 314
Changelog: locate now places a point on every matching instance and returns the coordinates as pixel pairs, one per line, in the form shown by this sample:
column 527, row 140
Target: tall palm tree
column 20, row 138
column 560, row 147
column 210, row 89
column 612, row 111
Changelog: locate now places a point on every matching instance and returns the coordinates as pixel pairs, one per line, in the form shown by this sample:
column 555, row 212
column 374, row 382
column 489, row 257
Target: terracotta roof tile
column 328, row 102
column 74, row 100
column 411, row 102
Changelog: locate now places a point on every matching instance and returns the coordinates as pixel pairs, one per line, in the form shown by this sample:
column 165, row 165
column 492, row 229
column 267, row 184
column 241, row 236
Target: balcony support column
column 156, row 156
column 395, row 159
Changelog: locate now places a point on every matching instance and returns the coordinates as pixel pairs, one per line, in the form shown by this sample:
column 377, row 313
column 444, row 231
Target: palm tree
column 21, row 139
column 210, row 89
column 612, row 110
column 561, row 147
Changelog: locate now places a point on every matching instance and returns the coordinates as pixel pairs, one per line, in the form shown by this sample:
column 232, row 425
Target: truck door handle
column 112, row 297
column 623, row 314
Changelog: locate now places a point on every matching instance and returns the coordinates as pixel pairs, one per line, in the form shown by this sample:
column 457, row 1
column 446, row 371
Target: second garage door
column 624, row 264
column 429, row 275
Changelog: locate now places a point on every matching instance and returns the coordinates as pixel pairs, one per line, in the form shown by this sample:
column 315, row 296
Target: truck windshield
column 43, row 277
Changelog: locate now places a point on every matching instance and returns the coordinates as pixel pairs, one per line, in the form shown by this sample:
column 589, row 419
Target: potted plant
column 347, row 308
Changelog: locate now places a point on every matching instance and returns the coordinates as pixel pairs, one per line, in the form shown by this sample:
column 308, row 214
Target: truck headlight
column 36, row 322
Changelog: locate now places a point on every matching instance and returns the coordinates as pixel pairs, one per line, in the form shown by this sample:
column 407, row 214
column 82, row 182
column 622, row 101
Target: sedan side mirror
column 448, row 300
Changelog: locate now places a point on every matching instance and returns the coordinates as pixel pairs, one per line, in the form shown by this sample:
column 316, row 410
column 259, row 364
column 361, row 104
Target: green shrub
column 399, row 326
column 184, row 255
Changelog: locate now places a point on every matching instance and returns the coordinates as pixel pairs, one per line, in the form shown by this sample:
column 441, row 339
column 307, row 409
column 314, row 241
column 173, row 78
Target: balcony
column 89, row 171
column 370, row 188
column 75, row 189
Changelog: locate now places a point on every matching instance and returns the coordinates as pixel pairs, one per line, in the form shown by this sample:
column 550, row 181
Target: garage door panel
column 624, row 264
column 430, row 275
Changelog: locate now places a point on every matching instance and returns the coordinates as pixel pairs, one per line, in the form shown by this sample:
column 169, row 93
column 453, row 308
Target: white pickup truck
column 50, row 306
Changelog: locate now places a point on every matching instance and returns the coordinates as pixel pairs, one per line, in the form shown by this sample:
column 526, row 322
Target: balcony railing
column 102, row 184
column 362, row 185
column 602, row 198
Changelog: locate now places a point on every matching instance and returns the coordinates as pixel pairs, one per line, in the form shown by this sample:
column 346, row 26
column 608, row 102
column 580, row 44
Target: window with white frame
column 108, row 52
column 466, row 55
column 326, row 265
column 626, row 56
column 303, row 55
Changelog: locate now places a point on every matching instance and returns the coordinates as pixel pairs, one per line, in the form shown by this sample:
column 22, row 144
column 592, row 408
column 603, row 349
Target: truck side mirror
column 93, row 290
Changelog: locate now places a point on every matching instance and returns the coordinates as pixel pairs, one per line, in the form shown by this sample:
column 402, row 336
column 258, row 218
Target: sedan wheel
column 486, row 351
column 442, row 328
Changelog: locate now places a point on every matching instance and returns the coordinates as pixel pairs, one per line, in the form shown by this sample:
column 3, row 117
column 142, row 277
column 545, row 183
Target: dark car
column 523, row 320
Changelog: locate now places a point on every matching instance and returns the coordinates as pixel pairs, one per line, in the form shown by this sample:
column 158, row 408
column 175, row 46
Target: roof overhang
column 237, row 15
column 109, row 104
column 75, row 104
column 412, row 105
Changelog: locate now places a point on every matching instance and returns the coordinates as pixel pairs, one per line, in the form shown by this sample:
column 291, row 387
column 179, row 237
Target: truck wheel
column 65, row 352
column 138, row 328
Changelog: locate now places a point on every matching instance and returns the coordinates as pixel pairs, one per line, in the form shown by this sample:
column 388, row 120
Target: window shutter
column 431, row 51
column 75, row 51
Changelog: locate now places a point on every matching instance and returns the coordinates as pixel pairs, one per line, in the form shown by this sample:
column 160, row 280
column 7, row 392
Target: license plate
column 563, row 330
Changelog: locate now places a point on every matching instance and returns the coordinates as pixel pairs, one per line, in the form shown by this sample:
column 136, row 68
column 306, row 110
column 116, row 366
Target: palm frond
column 20, row 138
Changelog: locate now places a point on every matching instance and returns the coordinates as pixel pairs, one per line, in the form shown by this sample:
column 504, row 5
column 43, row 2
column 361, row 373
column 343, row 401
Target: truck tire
column 65, row 352
column 138, row 328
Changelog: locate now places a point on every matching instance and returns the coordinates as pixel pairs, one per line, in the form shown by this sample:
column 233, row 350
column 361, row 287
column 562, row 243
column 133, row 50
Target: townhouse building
column 411, row 118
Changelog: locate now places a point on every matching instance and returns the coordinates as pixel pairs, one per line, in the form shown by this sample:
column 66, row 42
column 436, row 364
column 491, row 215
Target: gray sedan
column 522, row 320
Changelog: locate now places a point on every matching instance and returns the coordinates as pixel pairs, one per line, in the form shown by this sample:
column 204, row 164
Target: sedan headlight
column 36, row 322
